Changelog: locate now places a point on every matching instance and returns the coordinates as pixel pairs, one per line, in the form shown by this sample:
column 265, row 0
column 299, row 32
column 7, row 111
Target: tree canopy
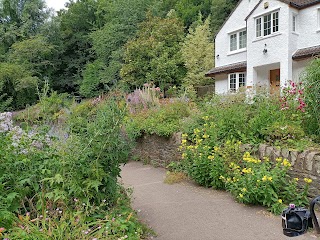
column 93, row 46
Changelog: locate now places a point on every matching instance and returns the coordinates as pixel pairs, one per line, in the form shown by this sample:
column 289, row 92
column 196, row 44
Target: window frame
column 267, row 24
column 236, row 76
column 241, row 40
column 318, row 13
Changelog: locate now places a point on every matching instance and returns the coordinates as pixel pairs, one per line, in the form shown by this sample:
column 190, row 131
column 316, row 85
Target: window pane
column 275, row 21
column 233, row 82
column 258, row 27
column 243, row 39
column 294, row 20
column 267, row 24
column 233, row 42
column 242, row 80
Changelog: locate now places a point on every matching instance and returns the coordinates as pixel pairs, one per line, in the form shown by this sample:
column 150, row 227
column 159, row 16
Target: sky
column 56, row 4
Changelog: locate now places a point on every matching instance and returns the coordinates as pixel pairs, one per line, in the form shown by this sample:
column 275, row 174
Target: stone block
column 262, row 150
column 293, row 155
column 285, row 153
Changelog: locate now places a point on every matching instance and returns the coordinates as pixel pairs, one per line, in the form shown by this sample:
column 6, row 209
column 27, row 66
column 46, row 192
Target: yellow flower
column 296, row 179
column 184, row 141
column 286, row 163
column 216, row 149
column 211, row 157
column 184, row 135
column 266, row 159
column 279, row 159
column 189, row 147
column 241, row 195
column 244, row 190
column 270, row 179
column 183, row 156
column 280, row 201
column 307, row 180
column 245, row 170
column 221, row 177
column 205, row 136
column 264, row 178
column 206, row 118
column 205, row 125
column 196, row 131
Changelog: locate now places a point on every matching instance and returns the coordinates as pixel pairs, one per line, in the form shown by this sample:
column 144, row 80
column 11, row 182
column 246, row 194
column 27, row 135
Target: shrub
column 163, row 121
column 264, row 183
column 311, row 81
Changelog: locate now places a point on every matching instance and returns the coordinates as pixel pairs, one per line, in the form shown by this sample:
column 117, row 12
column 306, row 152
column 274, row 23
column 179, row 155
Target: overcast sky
column 56, row 4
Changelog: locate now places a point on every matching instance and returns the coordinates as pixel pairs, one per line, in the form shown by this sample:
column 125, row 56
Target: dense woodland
column 96, row 45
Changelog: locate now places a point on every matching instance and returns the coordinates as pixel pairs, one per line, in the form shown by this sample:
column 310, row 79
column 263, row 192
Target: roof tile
column 306, row 53
column 240, row 66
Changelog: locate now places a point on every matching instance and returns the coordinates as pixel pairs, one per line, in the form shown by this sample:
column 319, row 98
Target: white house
column 266, row 43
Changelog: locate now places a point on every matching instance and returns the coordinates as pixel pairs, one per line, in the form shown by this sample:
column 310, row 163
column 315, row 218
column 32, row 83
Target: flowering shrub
column 262, row 182
column 293, row 97
column 250, row 180
column 143, row 99
column 66, row 186
column 163, row 121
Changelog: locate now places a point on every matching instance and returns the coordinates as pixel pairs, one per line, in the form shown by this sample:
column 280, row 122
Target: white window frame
column 318, row 13
column 237, row 35
column 237, row 76
column 294, row 23
column 261, row 25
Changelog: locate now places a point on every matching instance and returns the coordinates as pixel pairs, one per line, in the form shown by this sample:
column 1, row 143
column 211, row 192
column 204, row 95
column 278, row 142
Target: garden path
column 186, row 211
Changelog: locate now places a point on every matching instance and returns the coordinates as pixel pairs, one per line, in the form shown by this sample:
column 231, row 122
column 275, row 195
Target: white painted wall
column 280, row 46
column 298, row 69
column 309, row 31
column 235, row 22
column 277, row 44
column 221, row 84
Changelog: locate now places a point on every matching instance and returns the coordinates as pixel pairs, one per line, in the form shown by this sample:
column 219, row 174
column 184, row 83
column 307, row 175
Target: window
column 238, row 40
column 233, row 42
column 319, row 18
column 267, row 24
column 236, row 80
column 294, row 23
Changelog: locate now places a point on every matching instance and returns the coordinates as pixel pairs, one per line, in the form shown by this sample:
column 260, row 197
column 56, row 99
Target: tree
column 220, row 10
column 120, row 22
column 19, row 20
column 73, row 43
column 33, row 54
column 17, row 86
column 197, row 53
column 154, row 55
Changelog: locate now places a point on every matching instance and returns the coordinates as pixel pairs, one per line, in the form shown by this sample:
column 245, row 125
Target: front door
column 275, row 81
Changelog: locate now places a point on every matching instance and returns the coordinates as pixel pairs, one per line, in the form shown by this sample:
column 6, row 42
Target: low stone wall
column 160, row 151
column 305, row 164
column 156, row 150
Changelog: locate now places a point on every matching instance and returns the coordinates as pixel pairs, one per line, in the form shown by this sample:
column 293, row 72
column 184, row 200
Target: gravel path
column 186, row 211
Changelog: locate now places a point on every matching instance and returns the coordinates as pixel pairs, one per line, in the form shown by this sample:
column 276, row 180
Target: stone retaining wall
column 305, row 164
column 160, row 151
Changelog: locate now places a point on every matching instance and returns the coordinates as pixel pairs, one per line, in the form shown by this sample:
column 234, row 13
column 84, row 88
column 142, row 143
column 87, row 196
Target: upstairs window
column 294, row 23
column 267, row 24
column 236, row 80
column 238, row 40
column 319, row 18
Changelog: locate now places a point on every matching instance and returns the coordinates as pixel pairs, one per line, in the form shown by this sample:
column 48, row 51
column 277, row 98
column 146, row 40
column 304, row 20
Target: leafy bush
column 265, row 183
column 311, row 81
column 250, row 180
column 163, row 121
column 66, row 185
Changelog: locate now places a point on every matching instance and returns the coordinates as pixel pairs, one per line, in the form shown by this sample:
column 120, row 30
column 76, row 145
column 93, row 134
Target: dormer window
column 267, row 24
column 238, row 40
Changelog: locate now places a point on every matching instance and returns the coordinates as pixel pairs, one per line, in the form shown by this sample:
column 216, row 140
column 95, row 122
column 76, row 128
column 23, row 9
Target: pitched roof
column 235, row 67
column 304, row 53
column 301, row 3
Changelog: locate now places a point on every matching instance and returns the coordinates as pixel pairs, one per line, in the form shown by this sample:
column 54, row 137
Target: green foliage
column 162, row 122
column 250, row 180
column 198, row 53
column 154, row 56
column 77, row 172
column 311, row 82
column 17, row 86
